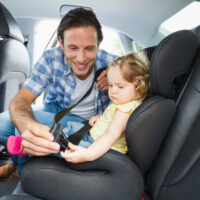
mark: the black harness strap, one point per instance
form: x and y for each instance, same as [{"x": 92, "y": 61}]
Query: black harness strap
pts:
[
  {"x": 76, "y": 137},
  {"x": 62, "y": 113}
]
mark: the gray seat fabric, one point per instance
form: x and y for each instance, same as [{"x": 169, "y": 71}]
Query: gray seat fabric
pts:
[{"x": 14, "y": 58}]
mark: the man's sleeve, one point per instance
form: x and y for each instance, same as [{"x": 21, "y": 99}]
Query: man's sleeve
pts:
[
  {"x": 104, "y": 59},
  {"x": 40, "y": 77}
]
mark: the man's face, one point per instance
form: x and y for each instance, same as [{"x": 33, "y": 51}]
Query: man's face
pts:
[{"x": 80, "y": 47}]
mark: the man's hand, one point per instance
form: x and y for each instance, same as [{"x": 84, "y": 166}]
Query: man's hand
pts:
[
  {"x": 102, "y": 81},
  {"x": 38, "y": 141},
  {"x": 36, "y": 138}
]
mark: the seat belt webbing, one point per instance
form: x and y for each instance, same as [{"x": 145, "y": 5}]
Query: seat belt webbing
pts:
[{"x": 76, "y": 137}]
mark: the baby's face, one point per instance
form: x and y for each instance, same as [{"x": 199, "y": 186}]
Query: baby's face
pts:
[{"x": 120, "y": 91}]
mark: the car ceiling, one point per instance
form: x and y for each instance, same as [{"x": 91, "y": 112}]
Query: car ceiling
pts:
[{"x": 139, "y": 19}]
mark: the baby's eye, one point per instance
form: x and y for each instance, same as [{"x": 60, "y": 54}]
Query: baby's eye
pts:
[
  {"x": 110, "y": 85},
  {"x": 121, "y": 87}
]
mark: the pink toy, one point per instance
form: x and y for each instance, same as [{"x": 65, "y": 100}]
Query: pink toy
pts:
[{"x": 14, "y": 146}]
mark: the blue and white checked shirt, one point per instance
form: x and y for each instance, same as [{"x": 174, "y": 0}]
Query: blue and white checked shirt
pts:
[{"x": 52, "y": 70}]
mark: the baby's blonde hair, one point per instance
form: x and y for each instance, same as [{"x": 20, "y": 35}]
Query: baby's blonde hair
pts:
[{"x": 134, "y": 68}]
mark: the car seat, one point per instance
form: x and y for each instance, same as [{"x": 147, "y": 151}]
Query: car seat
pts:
[
  {"x": 14, "y": 58},
  {"x": 161, "y": 151},
  {"x": 175, "y": 174},
  {"x": 162, "y": 138}
]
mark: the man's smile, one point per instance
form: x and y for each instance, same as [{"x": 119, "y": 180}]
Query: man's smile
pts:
[{"x": 80, "y": 67}]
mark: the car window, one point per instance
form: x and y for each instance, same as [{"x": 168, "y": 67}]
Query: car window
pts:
[
  {"x": 187, "y": 18},
  {"x": 112, "y": 42}
]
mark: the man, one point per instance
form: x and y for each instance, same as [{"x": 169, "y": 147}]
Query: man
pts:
[{"x": 68, "y": 70}]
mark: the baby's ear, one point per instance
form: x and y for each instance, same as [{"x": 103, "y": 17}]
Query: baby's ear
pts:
[{"x": 136, "y": 83}]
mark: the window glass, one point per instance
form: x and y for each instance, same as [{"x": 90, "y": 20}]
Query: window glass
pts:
[
  {"x": 187, "y": 18},
  {"x": 111, "y": 41},
  {"x": 136, "y": 46}
]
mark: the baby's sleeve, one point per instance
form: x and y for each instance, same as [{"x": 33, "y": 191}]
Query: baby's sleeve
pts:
[{"x": 129, "y": 107}]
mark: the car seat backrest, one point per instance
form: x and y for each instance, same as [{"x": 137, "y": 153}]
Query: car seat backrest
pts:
[
  {"x": 149, "y": 123},
  {"x": 176, "y": 174},
  {"x": 14, "y": 58}
]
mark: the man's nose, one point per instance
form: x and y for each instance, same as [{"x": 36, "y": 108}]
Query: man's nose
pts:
[{"x": 80, "y": 57}]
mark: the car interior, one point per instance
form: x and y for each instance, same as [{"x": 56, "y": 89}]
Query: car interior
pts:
[{"x": 162, "y": 134}]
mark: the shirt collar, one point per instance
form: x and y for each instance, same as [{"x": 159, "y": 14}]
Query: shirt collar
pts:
[{"x": 68, "y": 69}]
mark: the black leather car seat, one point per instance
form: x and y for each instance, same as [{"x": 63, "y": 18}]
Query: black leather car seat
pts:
[
  {"x": 175, "y": 174},
  {"x": 14, "y": 58}
]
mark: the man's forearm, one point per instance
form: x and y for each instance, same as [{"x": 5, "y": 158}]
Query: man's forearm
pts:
[{"x": 21, "y": 113}]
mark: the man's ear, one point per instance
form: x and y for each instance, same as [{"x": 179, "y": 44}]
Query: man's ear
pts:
[
  {"x": 98, "y": 45},
  {"x": 61, "y": 43}
]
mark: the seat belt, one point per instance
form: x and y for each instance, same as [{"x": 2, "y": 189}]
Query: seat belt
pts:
[{"x": 56, "y": 128}]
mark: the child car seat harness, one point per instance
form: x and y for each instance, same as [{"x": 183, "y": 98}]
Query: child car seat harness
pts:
[{"x": 75, "y": 138}]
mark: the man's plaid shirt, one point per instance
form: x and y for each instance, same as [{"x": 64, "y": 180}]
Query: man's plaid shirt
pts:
[{"x": 52, "y": 70}]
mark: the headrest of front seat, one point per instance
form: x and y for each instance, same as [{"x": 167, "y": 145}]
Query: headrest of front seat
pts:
[
  {"x": 196, "y": 30},
  {"x": 172, "y": 58},
  {"x": 8, "y": 25}
]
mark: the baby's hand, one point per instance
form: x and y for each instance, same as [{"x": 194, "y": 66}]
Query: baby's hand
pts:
[
  {"x": 75, "y": 154},
  {"x": 93, "y": 119}
]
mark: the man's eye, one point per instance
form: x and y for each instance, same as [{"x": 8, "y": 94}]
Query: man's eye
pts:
[
  {"x": 90, "y": 48},
  {"x": 110, "y": 85},
  {"x": 73, "y": 48}
]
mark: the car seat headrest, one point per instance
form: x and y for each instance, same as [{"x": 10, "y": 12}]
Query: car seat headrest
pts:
[
  {"x": 171, "y": 59},
  {"x": 9, "y": 27},
  {"x": 196, "y": 30}
]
